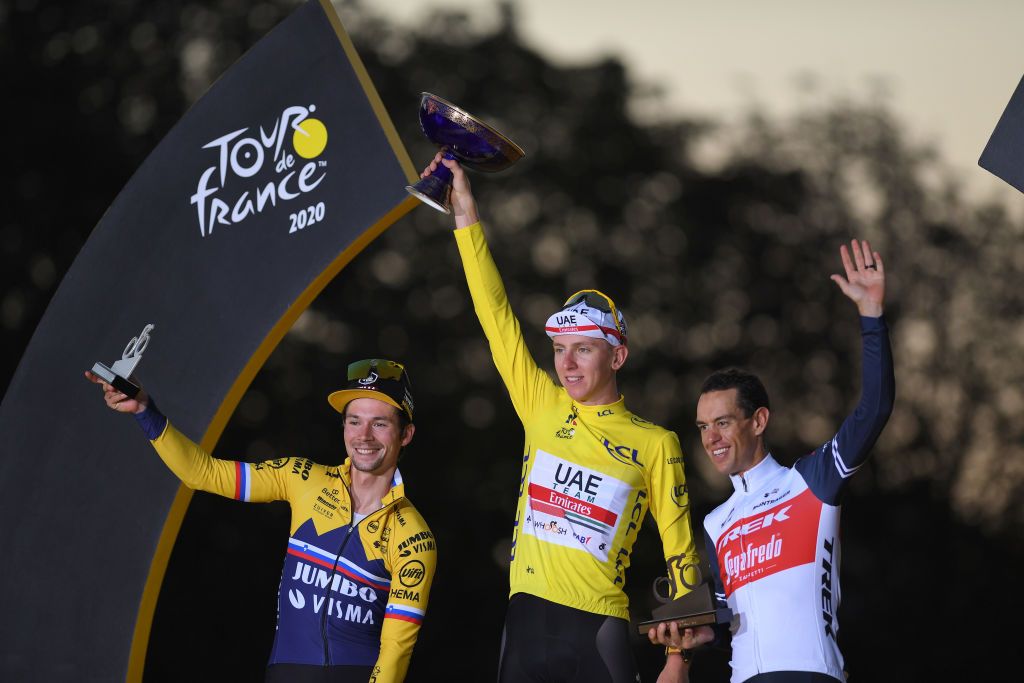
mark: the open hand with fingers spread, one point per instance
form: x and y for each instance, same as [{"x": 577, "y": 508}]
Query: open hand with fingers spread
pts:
[{"x": 864, "y": 283}]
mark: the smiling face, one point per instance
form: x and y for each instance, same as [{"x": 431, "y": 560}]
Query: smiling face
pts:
[
  {"x": 733, "y": 441},
  {"x": 374, "y": 435},
  {"x": 586, "y": 367}
]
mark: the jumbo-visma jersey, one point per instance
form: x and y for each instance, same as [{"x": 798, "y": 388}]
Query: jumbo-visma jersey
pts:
[
  {"x": 590, "y": 473},
  {"x": 366, "y": 585}
]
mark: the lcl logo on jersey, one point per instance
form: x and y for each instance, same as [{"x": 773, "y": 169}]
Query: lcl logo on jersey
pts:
[
  {"x": 679, "y": 495},
  {"x": 624, "y": 454}
]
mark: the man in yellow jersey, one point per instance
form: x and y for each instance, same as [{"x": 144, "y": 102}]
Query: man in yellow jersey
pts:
[
  {"x": 360, "y": 558},
  {"x": 591, "y": 470}
]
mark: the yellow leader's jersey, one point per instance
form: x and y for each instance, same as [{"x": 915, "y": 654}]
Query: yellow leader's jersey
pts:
[
  {"x": 350, "y": 593},
  {"x": 590, "y": 473}
]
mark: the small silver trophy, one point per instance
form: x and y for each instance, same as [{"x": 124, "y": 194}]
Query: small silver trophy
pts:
[{"x": 118, "y": 375}]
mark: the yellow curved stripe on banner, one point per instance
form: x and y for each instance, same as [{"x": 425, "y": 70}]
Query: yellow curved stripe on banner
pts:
[{"x": 176, "y": 514}]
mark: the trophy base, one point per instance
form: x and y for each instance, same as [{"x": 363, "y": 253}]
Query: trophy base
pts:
[
  {"x": 126, "y": 387},
  {"x": 433, "y": 191},
  {"x": 719, "y": 616}
]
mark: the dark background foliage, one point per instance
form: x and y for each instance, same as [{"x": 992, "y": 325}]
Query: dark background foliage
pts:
[{"x": 713, "y": 264}]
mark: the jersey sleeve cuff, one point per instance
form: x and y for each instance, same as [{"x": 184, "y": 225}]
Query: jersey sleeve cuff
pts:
[
  {"x": 152, "y": 421},
  {"x": 872, "y": 324}
]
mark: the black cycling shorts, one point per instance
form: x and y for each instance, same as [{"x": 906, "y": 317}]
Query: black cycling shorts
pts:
[
  {"x": 545, "y": 641},
  {"x": 311, "y": 673}
]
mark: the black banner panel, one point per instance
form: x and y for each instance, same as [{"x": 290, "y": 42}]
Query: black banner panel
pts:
[
  {"x": 1003, "y": 155},
  {"x": 265, "y": 189}
]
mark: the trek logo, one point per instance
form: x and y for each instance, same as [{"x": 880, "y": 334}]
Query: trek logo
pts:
[
  {"x": 241, "y": 155},
  {"x": 771, "y": 541},
  {"x": 762, "y": 522},
  {"x": 826, "y": 589},
  {"x": 624, "y": 454}
]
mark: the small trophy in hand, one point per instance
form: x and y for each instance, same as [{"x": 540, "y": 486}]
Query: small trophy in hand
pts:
[
  {"x": 118, "y": 375},
  {"x": 695, "y": 608}
]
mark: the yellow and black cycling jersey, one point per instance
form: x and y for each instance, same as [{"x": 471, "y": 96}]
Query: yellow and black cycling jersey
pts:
[
  {"x": 350, "y": 593},
  {"x": 590, "y": 473}
]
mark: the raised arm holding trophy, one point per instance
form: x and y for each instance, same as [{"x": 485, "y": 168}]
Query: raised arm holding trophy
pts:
[{"x": 591, "y": 471}]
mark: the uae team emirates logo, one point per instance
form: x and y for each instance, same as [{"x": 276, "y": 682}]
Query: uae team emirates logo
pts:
[{"x": 574, "y": 506}]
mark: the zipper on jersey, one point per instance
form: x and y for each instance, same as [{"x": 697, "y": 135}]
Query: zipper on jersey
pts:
[
  {"x": 337, "y": 559},
  {"x": 326, "y": 605}
]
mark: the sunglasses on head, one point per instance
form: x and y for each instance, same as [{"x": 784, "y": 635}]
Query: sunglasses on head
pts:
[
  {"x": 384, "y": 369},
  {"x": 597, "y": 300}
]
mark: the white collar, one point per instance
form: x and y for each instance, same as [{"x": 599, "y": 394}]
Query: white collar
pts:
[{"x": 757, "y": 476}]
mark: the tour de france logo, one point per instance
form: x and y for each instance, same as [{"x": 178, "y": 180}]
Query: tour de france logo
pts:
[{"x": 254, "y": 168}]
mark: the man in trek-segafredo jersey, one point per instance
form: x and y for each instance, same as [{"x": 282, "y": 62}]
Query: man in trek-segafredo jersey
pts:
[
  {"x": 774, "y": 545},
  {"x": 591, "y": 470},
  {"x": 360, "y": 558}
]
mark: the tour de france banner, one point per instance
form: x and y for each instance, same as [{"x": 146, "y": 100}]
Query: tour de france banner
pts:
[{"x": 274, "y": 180}]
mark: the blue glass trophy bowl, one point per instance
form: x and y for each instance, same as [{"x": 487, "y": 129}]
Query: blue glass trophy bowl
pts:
[{"x": 463, "y": 137}]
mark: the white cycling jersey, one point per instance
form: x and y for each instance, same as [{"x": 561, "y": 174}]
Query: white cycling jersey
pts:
[{"x": 774, "y": 545}]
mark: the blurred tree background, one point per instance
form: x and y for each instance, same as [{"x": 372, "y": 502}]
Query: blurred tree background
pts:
[{"x": 715, "y": 262}]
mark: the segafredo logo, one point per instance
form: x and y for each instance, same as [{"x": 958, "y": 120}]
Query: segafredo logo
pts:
[{"x": 254, "y": 170}]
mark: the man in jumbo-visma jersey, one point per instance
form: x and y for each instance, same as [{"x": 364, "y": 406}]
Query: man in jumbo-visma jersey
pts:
[{"x": 360, "y": 558}]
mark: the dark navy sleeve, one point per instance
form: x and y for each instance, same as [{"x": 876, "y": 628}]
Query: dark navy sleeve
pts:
[
  {"x": 151, "y": 420},
  {"x": 830, "y": 466}
]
